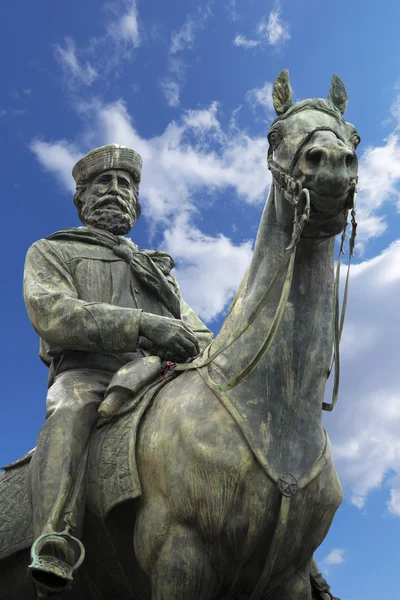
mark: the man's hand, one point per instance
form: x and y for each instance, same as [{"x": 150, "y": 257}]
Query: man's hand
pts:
[{"x": 171, "y": 336}]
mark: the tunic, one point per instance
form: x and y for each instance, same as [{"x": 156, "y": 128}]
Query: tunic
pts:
[{"x": 85, "y": 301}]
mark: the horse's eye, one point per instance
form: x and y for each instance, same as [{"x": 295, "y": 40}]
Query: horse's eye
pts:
[
  {"x": 274, "y": 137},
  {"x": 355, "y": 140}
]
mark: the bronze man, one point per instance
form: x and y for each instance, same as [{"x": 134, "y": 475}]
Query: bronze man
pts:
[{"x": 97, "y": 303}]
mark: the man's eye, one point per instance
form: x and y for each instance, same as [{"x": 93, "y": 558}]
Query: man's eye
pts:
[{"x": 124, "y": 183}]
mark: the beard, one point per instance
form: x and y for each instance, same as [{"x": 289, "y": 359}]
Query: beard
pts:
[{"x": 109, "y": 217}]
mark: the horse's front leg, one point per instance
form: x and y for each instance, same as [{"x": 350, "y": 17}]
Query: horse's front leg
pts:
[
  {"x": 173, "y": 555},
  {"x": 183, "y": 569}
]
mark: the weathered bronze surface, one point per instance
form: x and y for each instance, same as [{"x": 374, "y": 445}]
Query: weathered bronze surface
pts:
[{"x": 227, "y": 490}]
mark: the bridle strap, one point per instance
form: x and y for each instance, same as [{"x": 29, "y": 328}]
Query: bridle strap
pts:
[
  {"x": 245, "y": 324},
  {"x": 338, "y": 327}
]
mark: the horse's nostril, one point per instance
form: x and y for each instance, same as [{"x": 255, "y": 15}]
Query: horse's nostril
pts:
[
  {"x": 315, "y": 156},
  {"x": 351, "y": 160}
]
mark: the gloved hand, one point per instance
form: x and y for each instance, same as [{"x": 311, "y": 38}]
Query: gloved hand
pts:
[{"x": 173, "y": 339}]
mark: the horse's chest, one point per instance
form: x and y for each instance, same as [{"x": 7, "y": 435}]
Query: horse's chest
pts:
[{"x": 255, "y": 518}]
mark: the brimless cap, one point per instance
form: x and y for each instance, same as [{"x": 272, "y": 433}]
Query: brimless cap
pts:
[{"x": 111, "y": 156}]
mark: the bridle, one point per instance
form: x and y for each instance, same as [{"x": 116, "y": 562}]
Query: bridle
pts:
[
  {"x": 292, "y": 190},
  {"x": 296, "y": 195}
]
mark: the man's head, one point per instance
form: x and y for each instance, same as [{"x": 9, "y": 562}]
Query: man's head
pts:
[{"x": 107, "y": 188}]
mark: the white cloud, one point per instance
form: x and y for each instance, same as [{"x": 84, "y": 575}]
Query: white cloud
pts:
[
  {"x": 242, "y": 41},
  {"x": 57, "y": 158},
  {"x": 171, "y": 90},
  {"x": 68, "y": 59},
  {"x": 203, "y": 121},
  {"x": 173, "y": 83},
  {"x": 261, "y": 97},
  {"x": 379, "y": 176},
  {"x": 231, "y": 9},
  {"x": 365, "y": 424},
  {"x": 276, "y": 31},
  {"x": 193, "y": 158},
  {"x": 210, "y": 268},
  {"x": 334, "y": 558},
  {"x": 182, "y": 39},
  {"x": 186, "y": 35},
  {"x": 272, "y": 31},
  {"x": 104, "y": 54},
  {"x": 126, "y": 26},
  {"x": 393, "y": 504}
]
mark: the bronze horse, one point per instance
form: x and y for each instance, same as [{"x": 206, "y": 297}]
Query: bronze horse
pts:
[{"x": 238, "y": 484}]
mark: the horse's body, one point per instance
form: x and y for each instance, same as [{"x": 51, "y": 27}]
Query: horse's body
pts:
[
  {"x": 210, "y": 510},
  {"x": 208, "y": 504},
  {"x": 212, "y": 521}
]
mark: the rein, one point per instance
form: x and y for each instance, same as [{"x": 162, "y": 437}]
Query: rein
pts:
[
  {"x": 294, "y": 193},
  {"x": 287, "y": 263}
]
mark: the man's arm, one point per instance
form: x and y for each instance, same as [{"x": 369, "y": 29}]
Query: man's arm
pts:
[{"x": 62, "y": 319}]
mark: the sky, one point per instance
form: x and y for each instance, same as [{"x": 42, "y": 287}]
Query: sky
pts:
[{"x": 188, "y": 85}]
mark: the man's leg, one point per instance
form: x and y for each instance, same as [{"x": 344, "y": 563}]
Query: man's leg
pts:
[{"x": 57, "y": 470}]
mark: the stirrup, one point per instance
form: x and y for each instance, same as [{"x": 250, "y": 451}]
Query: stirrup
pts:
[{"x": 59, "y": 571}]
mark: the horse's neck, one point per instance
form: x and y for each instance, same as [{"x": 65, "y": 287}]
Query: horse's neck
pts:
[{"x": 296, "y": 365}]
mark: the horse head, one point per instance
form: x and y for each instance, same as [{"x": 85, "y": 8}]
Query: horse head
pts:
[{"x": 312, "y": 147}]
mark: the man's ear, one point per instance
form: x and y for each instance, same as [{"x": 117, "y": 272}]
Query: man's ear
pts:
[{"x": 78, "y": 201}]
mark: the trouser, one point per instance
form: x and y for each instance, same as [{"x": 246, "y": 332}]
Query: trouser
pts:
[{"x": 58, "y": 468}]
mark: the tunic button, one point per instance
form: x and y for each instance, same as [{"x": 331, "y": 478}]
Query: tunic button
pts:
[
  {"x": 108, "y": 344},
  {"x": 137, "y": 291}
]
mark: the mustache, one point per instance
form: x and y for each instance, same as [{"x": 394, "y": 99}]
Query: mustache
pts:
[{"x": 107, "y": 200}]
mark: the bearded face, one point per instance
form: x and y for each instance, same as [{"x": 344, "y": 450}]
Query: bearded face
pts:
[{"x": 110, "y": 201}]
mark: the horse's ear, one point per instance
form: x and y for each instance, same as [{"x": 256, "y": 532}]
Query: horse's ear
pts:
[
  {"x": 337, "y": 94},
  {"x": 282, "y": 93}
]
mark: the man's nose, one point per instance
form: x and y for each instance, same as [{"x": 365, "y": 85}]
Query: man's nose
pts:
[{"x": 113, "y": 187}]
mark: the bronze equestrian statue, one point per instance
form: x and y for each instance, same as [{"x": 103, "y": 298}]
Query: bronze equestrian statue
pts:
[{"x": 221, "y": 474}]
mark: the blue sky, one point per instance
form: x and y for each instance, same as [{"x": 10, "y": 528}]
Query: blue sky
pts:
[{"x": 188, "y": 85}]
